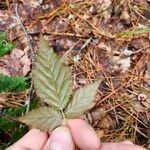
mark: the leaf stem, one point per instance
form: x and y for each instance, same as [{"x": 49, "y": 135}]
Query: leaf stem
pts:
[{"x": 63, "y": 114}]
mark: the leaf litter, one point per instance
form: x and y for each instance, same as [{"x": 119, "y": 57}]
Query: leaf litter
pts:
[{"x": 118, "y": 54}]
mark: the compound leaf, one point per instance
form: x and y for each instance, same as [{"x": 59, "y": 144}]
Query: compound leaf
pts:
[
  {"x": 82, "y": 100},
  {"x": 52, "y": 79},
  {"x": 44, "y": 118}
]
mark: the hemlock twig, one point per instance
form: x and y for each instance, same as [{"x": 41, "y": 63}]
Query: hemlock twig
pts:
[
  {"x": 30, "y": 92},
  {"x": 9, "y": 117}
]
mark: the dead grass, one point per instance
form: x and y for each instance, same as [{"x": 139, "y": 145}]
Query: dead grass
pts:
[{"x": 125, "y": 116}]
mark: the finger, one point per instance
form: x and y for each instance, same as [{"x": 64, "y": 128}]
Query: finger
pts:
[
  {"x": 34, "y": 139},
  {"x": 60, "y": 139},
  {"x": 83, "y": 135},
  {"x": 120, "y": 146},
  {"x": 127, "y": 142}
]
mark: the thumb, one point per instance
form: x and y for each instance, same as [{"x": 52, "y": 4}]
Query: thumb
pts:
[{"x": 60, "y": 139}]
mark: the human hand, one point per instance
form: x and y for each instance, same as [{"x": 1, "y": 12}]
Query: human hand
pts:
[{"x": 65, "y": 138}]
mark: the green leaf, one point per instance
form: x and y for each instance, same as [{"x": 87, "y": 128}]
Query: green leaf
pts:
[
  {"x": 82, "y": 100},
  {"x": 44, "y": 118},
  {"x": 52, "y": 79}
]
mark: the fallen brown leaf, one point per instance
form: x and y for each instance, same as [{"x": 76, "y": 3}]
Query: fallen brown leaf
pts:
[{"x": 16, "y": 64}]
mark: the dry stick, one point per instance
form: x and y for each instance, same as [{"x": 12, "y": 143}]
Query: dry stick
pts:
[
  {"x": 65, "y": 34},
  {"x": 85, "y": 44},
  {"x": 30, "y": 92},
  {"x": 25, "y": 31},
  {"x": 64, "y": 57},
  {"x": 9, "y": 117},
  {"x": 140, "y": 132},
  {"x": 60, "y": 34}
]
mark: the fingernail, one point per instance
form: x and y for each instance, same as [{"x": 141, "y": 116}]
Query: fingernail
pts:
[
  {"x": 127, "y": 142},
  {"x": 55, "y": 146},
  {"x": 61, "y": 139}
]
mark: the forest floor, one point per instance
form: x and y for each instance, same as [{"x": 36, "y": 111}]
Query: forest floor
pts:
[{"x": 99, "y": 39}]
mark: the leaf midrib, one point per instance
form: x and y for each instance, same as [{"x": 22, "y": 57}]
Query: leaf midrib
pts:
[{"x": 50, "y": 68}]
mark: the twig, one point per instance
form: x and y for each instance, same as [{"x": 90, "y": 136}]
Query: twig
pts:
[
  {"x": 64, "y": 57},
  {"x": 25, "y": 32},
  {"x": 140, "y": 132},
  {"x": 29, "y": 97},
  {"x": 65, "y": 34},
  {"x": 30, "y": 92},
  {"x": 77, "y": 57},
  {"x": 85, "y": 44},
  {"x": 9, "y": 117},
  {"x": 60, "y": 34}
]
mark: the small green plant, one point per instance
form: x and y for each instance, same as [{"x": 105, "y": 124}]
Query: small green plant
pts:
[
  {"x": 5, "y": 47},
  {"x": 52, "y": 82},
  {"x": 7, "y": 83},
  {"x": 12, "y": 84},
  {"x": 11, "y": 129}
]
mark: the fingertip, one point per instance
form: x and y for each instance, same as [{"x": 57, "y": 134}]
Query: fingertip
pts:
[
  {"x": 127, "y": 142},
  {"x": 83, "y": 135},
  {"x": 60, "y": 139},
  {"x": 120, "y": 146},
  {"x": 34, "y": 139}
]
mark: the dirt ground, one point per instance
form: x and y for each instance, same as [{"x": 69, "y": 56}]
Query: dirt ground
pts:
[{"x": 99, "y": 39}]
